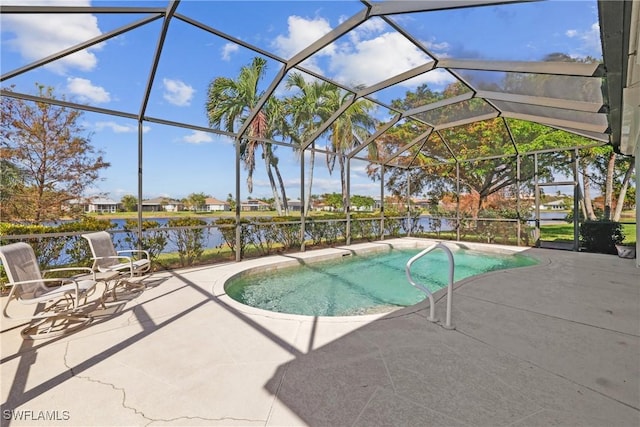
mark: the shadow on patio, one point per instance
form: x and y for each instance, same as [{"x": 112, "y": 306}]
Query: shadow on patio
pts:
[{"x": 554, "y": 343}]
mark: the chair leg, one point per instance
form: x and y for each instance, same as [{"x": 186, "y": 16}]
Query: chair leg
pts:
[
  {"x": 55, "y": 326},
  {"x": 121, "y": 283}
]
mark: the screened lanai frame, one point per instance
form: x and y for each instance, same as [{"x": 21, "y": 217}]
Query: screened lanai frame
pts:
[{"x": 594, "y": 117}]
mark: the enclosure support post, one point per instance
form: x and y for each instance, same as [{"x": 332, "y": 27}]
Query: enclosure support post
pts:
[
  {"x": 457, "y": 200},
  {"x": 408, "y": 203},
  {"x": 518, "y": 226},
  {"x": 382, "y": 202},
  {"x": 347, "y": 207},
  {"x": 637, "y": 210},
  {"x": 238, "y": 225},
  {"x": 140, "y": 133},
  {"x": 537, "y": 199},
  {"x": 576, "y": 203},
  {"x": 302, "y": 203}
]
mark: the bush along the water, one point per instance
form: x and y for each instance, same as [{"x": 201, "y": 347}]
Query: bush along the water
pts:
[{"x": 600, "y": 236}]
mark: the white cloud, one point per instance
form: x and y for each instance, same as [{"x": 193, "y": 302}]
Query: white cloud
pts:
[
  {"x": 198, "y": 137},
  {"x": 228, "y": 49},
  {"x": 301, "y": 33},
  {"x": 439, "y": 48},
  {"x": 38, "y": 36},
  {"x": 86, "y": 91},
  {"x": 368, "y": 28},
  {"x": 119, "y": 128},
  {"x": 589, "y": 41},
  {"x": 177, "y": 92},
  {"x": 366, "y": 56},
  {"x": 377, "y": 59}
]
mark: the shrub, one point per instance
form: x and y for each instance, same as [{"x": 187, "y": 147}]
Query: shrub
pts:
[
  {"x": 326, "y": 229},
  {"x": 154, "y": 238},
  {"x": 601, "y": 236},
  {"x": 189, "y": 238},
  {"x": 287, "y": 231},
  {"x": 227, "y": 228},
  {"x": 53, "y": 251}
]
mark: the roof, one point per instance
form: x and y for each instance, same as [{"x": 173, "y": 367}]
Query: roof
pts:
[
  {"x": 553, "y": 90},
  {"x": 94, "y": 201},
  {"x": 214, "y": 201},
  {"x": 160, "y": 201}
]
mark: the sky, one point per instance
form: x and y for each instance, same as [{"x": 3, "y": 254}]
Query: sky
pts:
[{"x": 179, "y": 161}]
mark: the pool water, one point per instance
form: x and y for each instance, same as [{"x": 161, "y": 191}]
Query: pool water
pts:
[{"x": 360, "y": 284}]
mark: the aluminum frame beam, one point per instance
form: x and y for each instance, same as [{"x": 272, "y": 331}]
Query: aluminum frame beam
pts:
[
  {"x": 615, "y": 28},
  {"x": 61, "y": 54},
  {"x": 399, "y": 7},
  {"x": 171, "y": 8},
  {"x": 576, "y": 69},
  {"x": 560, "y": 123},
  {"x": 589, "y": 107},
  {"x": 375, "y": 135}
]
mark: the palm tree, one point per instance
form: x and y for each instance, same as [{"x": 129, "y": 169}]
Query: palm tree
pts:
[
  {"x": 228, "y": 104},
  {"x": 308, "y": 110},
  {"x": 356, "y": 122}
]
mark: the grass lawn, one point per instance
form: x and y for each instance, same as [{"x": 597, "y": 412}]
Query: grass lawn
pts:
[{"x": 561, "y": 232}]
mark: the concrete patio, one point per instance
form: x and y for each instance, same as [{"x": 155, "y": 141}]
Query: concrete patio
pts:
[{"x": 553, "y": 344}]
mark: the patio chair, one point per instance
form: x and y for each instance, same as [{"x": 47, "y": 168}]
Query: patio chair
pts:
[
  {"x": 60, "y": 302},
  {"x": 107, "y": 260}
]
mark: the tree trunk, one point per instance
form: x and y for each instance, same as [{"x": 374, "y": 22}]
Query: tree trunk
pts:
[
  {"x": 285, "y": 204},
  {"x": 343, "y": 182},
  {"x": 312, "y": 160},
  {"x": 623, "y": 192},
  {"x": 272, "y": 182},
  {"x": 587, "y": 194},
  {"x": 608, "y": 192},
  {"x": 583, "y": 208}
]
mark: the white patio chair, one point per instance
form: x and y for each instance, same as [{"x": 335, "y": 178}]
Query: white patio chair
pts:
[
  {"x": 59, "y": 301},
  {"x": 107, "y": 260}
]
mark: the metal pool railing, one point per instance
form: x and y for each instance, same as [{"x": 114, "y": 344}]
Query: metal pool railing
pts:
[{"x": 424, "y": 289}]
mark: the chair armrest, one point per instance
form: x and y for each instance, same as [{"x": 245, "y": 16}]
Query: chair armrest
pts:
[
  {"x": 88, "y": 270},
  {"x": 135, "y": 251},
  {"x": 45, "y": 289},
  {"x": 118, "y": 257},
  {"x": 61, "y": 280}
]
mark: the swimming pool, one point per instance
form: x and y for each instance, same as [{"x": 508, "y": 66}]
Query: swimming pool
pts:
[{"x": 360, "y": 284}]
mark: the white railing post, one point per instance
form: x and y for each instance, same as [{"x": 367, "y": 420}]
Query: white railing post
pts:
[{"x": 424, "y": 289}]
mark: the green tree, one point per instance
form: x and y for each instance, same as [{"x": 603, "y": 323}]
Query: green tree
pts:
[
  {"x": 47, "y": 144},
  {"x": 229, "y": 103},
  {"x": 308, "y": 109},
  {"x": 195, "y": 201},
  {"x": 355, "y": 123},
  {"x": 232, "y": 202},
  {"x": 334, "y": 200},
  {"x": 362, "y": 201},
  {"x": 488, "y": 139},
  {"x": 129, "y": 203},
  {"x": 11, "y": 180}
]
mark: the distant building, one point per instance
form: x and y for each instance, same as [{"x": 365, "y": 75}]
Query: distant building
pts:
[
  {"x": 420, "y": 203},
  {"x": 295, "y": 205},
  {"x": 95, "y": 205},
  {"x": 254, "y": 205},
  {"x": 211, "y": 204},
  {"x": 556, "y": 205},
  {"x": 161, "y": 204}
]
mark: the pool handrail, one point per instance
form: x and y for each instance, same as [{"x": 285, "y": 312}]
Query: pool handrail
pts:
[{"x": 424, "y": 289}]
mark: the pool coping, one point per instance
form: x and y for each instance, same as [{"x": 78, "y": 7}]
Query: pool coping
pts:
[{"x": 275, "y": 262}]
